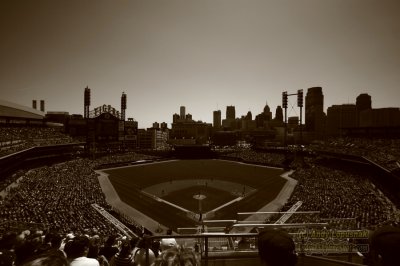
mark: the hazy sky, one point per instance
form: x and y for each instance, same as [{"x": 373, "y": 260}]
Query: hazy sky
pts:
[{"x": 203, "y": 54}]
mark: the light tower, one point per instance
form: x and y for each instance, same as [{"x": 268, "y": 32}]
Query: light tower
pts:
[
  {"x": 300, "y": 104},
  {"x": 86, "y": 102},
  {"x": 284, "y": 106},
  {"x": 123, "y": 106}
]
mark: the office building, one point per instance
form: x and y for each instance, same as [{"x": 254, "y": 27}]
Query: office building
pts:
[
  {"x": 230, "y": 112},
  {"x": 314, "y": 112},
  {"x": 380, "y": 117},
  {"x": 217, "y": 119},
  {"x": 182, "y": 112},
  {"x": 340, "y": 117},
  {"x": 363, "y": 102}
]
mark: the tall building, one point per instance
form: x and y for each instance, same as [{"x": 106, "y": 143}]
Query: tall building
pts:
[
  {"x": 230, "y": 122},
  {"x": 263, "y": 119},
  {"x": 278, "y": 114},
  {"x": 363, "y": 102},
  {"x": 217, "y": 119},
  {"x": 249, "y": 116},
  {"x": 175, "y": 118},
  {"x": 267, "y": 113},
  {"x": 42, "y": 105},
  {"x": 315, "y": 116},
  {"x": 164, "y": 126},
  {"x": 156, "y": 125},
  {"x": 230, "y": 112},
  {"x": 183, "y": 112},
  {"x": 340, "y": 117}
]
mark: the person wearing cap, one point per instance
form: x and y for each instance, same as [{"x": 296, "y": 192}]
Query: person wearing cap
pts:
[
  {"x": 167, "y": 243},
  {"x": 276, "y": 248},
  {"x": 385, "y": 246}
]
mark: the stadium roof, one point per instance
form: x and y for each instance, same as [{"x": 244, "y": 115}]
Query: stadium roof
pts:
[{"x": 9, "y": 109}]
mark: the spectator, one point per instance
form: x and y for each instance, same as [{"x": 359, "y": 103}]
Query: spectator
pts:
[
  {"x": 124, "y": 257},
  {"x": 385, "y": 246},
  {"x": 276, "y": 248},
  {"x": 77, "y": 252},
  {"x": 178, "y": 257},
  {"x": 109, "y": 249},
  {"x": 243, "y": 243},
  {"x": 140, "y": 253},
  {"x": 47, "y": 259},
  {"x": 167, "y": 243}
]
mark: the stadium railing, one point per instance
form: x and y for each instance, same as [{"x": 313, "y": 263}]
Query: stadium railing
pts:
[{"x": 221, "y": 249}]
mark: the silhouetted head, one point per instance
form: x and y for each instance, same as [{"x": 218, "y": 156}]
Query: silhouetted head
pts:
[
  {"x": 385, "y": 246},
  {"x": 276, "y": 248}
]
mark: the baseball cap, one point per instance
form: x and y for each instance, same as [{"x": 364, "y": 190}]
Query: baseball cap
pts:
[{"x": 167, "y": 243}]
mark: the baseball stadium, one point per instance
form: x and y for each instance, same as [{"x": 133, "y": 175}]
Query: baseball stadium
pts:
[{"x": 68, "y": 177}]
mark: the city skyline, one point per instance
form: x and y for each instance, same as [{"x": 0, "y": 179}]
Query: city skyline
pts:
[{"x": 202, "y": 55}]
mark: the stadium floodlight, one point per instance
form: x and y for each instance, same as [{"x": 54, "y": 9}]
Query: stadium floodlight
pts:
[
  {"x": 284, "y": 99},
  {"x": 300, "y": 98}
]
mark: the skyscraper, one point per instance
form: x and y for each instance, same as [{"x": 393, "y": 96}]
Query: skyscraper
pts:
[
  {"x": 183, "y": 112},
  {"x": 363, "y": 102},
  {"x": 217, "y": 119},
  {"x": 340, "y": 117},
  {"x": 230, "y": 112},
  {"x": 315, "y": 116},
  {"x": 175, "y": 118},
  {"x": 279, "y": 114}
]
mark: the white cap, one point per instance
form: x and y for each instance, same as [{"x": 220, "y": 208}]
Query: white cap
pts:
[{"x": 167, "y": 243}]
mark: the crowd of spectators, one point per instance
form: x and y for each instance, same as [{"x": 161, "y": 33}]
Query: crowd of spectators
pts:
[
  {"x": 385, "y": 152},
  {"x": 345, "y": 201},
  {"x": 14, "y": 139},
  {"x": 121, "y": 158},
  {"x": 59, "y": 196},
  {"x": 252, "y": 156},
  {"x": 35, "y": 247}
]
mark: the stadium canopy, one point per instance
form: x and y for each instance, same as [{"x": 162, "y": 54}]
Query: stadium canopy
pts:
[{"x": 13, "y": 110}]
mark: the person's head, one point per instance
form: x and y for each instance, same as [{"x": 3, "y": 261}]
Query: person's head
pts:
[
  {"x": 110, "y": 241},
  {"x": 126, "y": 249},
  {"x": 385, "y": 246},
  {"x": 177, "y": 257},
  {"x": 276, "y": 247},
  {"x": 140, "y": 257},
  {"x": 134, "y": 241},
  {"x": 78, "y": 247},
  {"x": 56, "y": 241},
  {"x": 167, "y": 243},
  {"x": 47, "y": 259},
  {"x": 8, "y": 240}
]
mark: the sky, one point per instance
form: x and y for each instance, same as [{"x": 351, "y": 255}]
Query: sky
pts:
[{"x": 201, "y": 54}]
